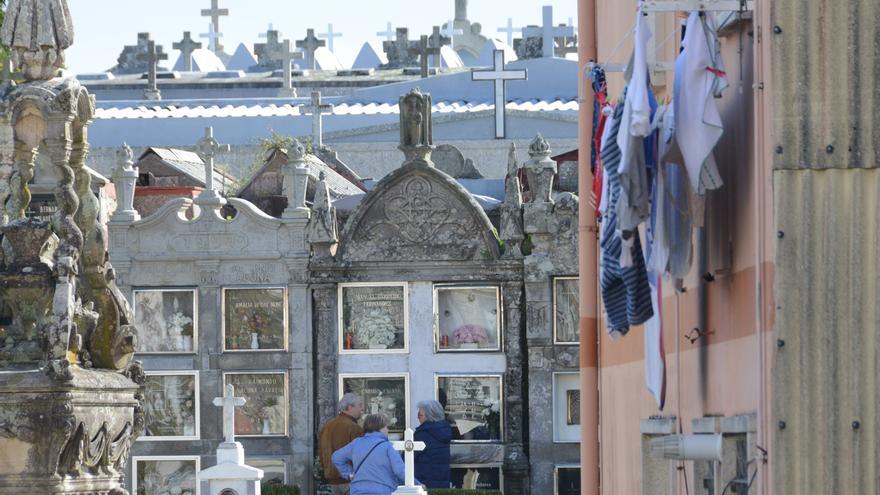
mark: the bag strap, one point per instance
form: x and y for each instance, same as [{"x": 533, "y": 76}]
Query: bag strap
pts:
[{"x": 366, "y": 456}]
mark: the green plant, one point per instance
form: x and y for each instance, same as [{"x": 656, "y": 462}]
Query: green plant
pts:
[
  {"x": 279, "y": 489},
  {"x": 456, "y": 491}
]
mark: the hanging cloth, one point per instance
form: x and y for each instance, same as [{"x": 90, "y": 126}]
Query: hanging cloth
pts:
[
  {"x": 600, "y": 117},
  {"x": 699, "y": 79}
]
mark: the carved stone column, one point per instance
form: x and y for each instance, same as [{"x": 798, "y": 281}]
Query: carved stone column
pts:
[
  {"x": 324, "y": 302},
  {"x": 516, "y": 462}
]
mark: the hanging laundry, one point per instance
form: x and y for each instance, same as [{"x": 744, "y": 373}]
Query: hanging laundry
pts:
[
  {"x": 699, "y": 79},
  {"x": 600, "y": 117},
  {"x": 655, "y": 354},
  {"x": 625, "y": 290}
]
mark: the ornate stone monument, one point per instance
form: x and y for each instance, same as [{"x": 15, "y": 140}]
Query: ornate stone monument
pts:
[
  {"x": 70, "y": 400},
  {"x": 231, "y": 474},
  {"x": 415, "y": 128}
]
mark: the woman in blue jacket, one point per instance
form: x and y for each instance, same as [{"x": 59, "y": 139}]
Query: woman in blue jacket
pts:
[
  {"x": 432, "y": 464},
  {"x": 370, "y": 462}
]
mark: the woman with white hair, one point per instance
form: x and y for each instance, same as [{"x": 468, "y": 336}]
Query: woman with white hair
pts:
[{"x": 432, "y": 463}]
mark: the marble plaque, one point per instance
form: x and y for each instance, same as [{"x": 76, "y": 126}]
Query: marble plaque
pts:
[
  {"x": 274, "y": 470},
  {"x": 468, "y": 318},
  {"x": 166, "y": 320},
  {"x": 373, "y": 318},
  {"x": 473, "y": 405},
  {"x": 388, "y": 395},
  {"x": 475, "y": 478},
  {"x": 171, "y": 406},
  {"x": 266, "y": 410},
  {"x": 255, "y": 319},
  {"x": 566, "y": 314},
  {"x": 166, "y": 475},
  {"x": 566, "y": 407},
  {"x": 568, "y": 480}
]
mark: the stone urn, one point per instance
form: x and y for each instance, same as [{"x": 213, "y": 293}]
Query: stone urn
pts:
[
  {"x": 27, "y": 239},
  {"x": 540, "y": 171}
]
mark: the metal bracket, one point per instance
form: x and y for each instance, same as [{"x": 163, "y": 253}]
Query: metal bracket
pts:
[{"x": 691, "y": 5}]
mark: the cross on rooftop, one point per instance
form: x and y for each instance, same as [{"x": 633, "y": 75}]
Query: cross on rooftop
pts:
[
  {"x": 154, "y": 55},
  {"x": 398, "y": 50},
  {"x": 229, "y": 402},
  {"x": 317, "y": 110},
  {"x": 422, "y": 49},
  {"x": 437, "y": 40},
  {"x": 269, "y": 30},
  {"x": 409, "y": 448},
  {"x": 548, "y": 33},
  {"x": 500, "y": 76},
  {"x": 186, "y": 47},
  {"x": 265, "y": 51},
  {"x": 215, "y": 12},
  {"x": 330, "y": 34},
  {"x": 510, "y": 30},
  {"x": 450, "y": 32},
  {"x": 309, "y": 44},
  {"x": 286, "y": 54},
  {"x": 388, "y": 33},
  {"x": 208, "y": 147},
  {"x": 213, "y": 38}
]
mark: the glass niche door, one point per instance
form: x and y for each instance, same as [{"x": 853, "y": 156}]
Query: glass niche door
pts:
[{"x": 467, "y": 318}]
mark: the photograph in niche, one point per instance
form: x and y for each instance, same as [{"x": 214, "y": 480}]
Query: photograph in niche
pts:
[
  {"x": 381, "y": 395},
  {"x": 473, "y": 406},
  {"x": 573, "y": 401},
  {"x": 468, "y": 318},
  {"x": 171, "y": 406},
  {"x": 166, "y": 476},
  {"x": 373, "y": 317},
  {"x": 475, "y": 478},
  {"x": 568, "y": 481},
  {"x": 165, "y": 320},
  {"x": 254, "y": 319},
  {"x": 565, "y": 307},
  {"x": 265, "y": 412}
]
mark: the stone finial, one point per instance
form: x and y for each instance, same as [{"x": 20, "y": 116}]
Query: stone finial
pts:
[
  {"x": 37, "y": 33},
  {"x": 296, "y": 151},
  {"x": 296, "y": 181},
  {"x": 321, "y": 231},
  {"x": 124, "y": 179},
  {"x": 416, "y": 132},
  {"x": 511, "y": 228},
  {"x": 540, "y": 171}
]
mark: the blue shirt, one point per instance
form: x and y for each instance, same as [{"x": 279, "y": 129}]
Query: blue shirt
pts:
[{"x": 380, "y": 472}]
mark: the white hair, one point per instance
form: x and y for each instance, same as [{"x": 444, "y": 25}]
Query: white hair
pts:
[
  {"x": 348, "y": 400},
  {"x": 433, "y": 410}
]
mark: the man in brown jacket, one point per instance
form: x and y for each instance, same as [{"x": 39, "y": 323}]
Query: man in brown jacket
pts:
[{"x": 337, "y": 433}]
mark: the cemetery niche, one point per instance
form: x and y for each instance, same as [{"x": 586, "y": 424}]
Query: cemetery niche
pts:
[
  {"x": 382, "y": 394},
  {"x": 255, "y": 319},
  {"x": 172, "y": 405},
  {"x": 166, "y": 320},
  {"x": 473, "y": 406},
  {"x": 476, "y": 477},
  {"x": 565, "y": 310},
  {"x": 468, "y": 318},
  {"x": 265, "y": 411},
  {"x": 373, "y": 318},
  {"x": 170, "y": 474}
]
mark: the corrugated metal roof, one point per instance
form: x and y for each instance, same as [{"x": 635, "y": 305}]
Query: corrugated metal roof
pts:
[
  {"x": 828, "y": 297},
  {"x": 289, "y": 110},
  {"x": 826, "y": 63}
]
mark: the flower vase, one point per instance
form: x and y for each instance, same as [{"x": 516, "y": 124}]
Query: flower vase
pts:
[
  {"x": 187, "y": 343},
  {"x": 266, "y": 429},
  {"x": 469, "y": 345},
  {"x": 255, "y": 340}
]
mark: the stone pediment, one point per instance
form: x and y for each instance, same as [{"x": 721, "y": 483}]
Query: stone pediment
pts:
[{"x": 418, "y": 213}]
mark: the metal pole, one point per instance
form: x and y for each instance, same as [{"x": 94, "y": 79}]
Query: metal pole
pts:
[{"x": 587, "y": 260}]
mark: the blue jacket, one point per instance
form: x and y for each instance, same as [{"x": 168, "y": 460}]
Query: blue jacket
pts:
[
  {"x": 382, "y": 470},
  {"x": 432, "y": 464}
]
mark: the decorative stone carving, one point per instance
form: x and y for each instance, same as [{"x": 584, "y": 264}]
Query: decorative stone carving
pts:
[
  {"x": 321, "y": 231},
  {"x": 511, "y": 231},
  {"x": 450, "y": 159},
  {"x": 540, "y": 171},
  {"x": 296, "y": 177},
  {"x": 37, "y": 33},
  {"x": 124, "y": 179},
  {"x": 416, "y": 132}
]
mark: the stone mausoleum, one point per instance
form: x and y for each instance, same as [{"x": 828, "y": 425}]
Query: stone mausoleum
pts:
[{"x": 426, "y": 286}]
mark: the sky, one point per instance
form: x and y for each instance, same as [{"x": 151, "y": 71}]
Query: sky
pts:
[{"x": 103, "y": 27}]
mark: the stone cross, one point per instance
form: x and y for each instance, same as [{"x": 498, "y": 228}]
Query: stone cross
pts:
[
  {"x": 437, "y": 41},
  {"x": 286, "y": 54},
  {"x": 229, "y": 402},
  {"x": 265, "y": 51},
  {"x": 309, "y": 44},
  {"x": 330, "y": 34},
  {"x": 269, "y": 30},
  {"x": 409, "y": 448},
  {"x": 548, "y": 33},
  {"x": 423, "y": 50},
  {"x": 398, "y": 50},
  {"x": 186, "y": 47},
  {"x": 208, "y": 147},
  {"x": 500, "y": 77},
  {"x": 154, "y": 55},
  {"x": 510, "y": 30},
  {"x": 450, "y": 32},
  {"x": 213, "y": 37},
  {"x": 215, "y": 12},
  {"x": 317, "y": 110},
  {"x": 388, "y": 33}
]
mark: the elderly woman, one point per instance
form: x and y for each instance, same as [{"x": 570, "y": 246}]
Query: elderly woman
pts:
[
  {"x": 432, "y": 464},
  {"x": 370, "y": 462}
]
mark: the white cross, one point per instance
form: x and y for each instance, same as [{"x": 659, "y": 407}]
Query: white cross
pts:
[
  {"x": 548, "y": 32},
  {"x": 409, "y": 448},
  {"x": 317, "y": 110},
  {"x": 510, "y": 30},
  {"x": 213, "y": 37},
  {"x": 330, "y": 35},
  {"x": 450, "y": 32},
  {"x": 266, "y": 34},
  {"x": 214, "y": 13},
  {"x": 500, "y": 76},
  {"x": 389, "y": 34},
  {"x": 229, "y": 402}
]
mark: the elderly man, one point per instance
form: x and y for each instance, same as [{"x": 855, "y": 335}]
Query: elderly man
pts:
[{"x": 337, "y": 433}]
